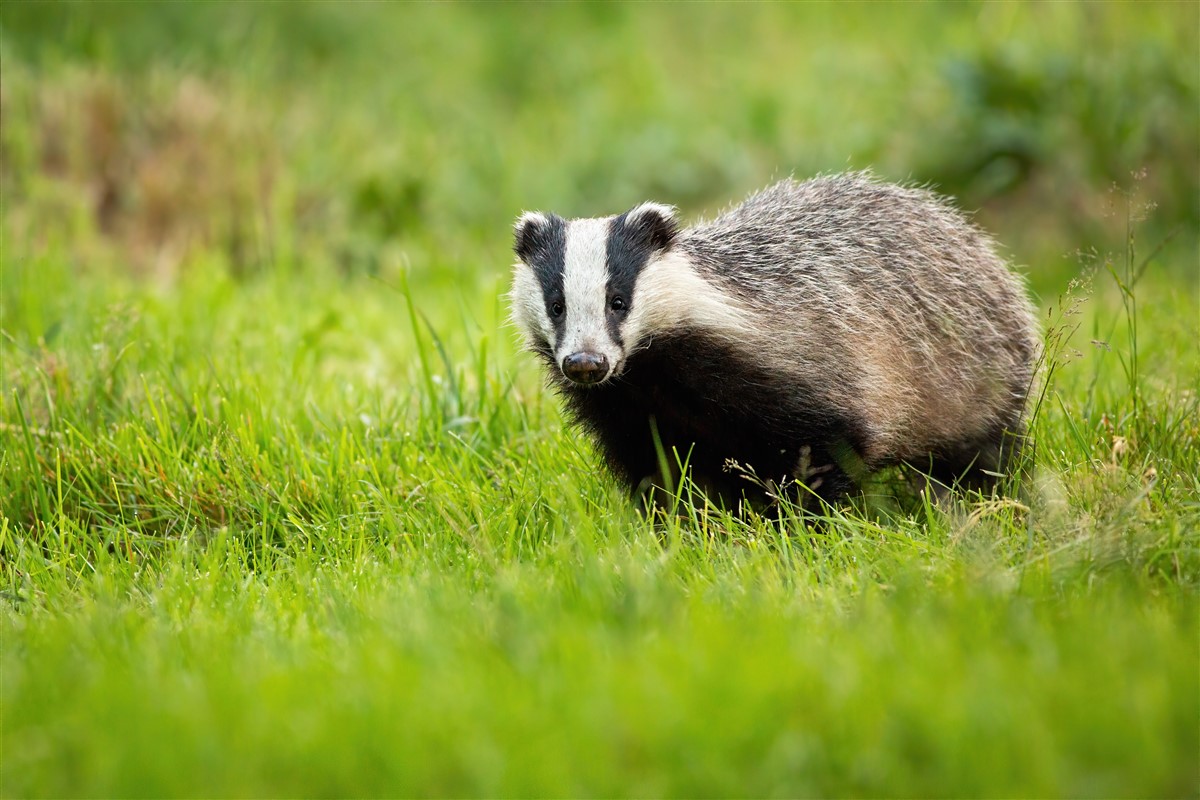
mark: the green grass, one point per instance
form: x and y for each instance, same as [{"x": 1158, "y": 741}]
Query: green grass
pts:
[{"x": 284, "y": 512}]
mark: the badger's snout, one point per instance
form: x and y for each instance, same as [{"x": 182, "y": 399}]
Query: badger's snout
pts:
[{"x": 584, "y": 367}]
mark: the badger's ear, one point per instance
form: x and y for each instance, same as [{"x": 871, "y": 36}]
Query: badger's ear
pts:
[
  {"x": 653, "y": 223},
  {"x": 529, "y": 233}
]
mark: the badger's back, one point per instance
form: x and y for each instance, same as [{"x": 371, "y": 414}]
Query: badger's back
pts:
[{"x": 883, "y": 296}]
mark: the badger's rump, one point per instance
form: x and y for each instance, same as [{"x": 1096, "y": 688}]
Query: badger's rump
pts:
[{"x": 885, "y": 298}]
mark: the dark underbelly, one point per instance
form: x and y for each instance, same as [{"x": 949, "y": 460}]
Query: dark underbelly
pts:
[{"x": 737, "y": 429}]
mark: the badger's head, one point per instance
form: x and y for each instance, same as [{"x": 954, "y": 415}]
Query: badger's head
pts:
[{"x": 579, "y": 291}]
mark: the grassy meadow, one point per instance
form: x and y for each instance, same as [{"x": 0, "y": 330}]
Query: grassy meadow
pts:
[{"x": 284, "y": 511}]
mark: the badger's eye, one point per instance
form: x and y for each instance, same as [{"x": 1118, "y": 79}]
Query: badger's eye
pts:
[
  {"x": 556, "y": 309},
  {"x": 617, "y": 304}
]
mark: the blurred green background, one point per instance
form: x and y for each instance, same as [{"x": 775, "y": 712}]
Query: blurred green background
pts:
[
  {"x": 358, "y": 136},
  {"x": 283, "y": 510}
]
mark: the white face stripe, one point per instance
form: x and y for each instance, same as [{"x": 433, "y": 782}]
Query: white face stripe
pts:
[
  {"x": 670, "y": 294},
  {"x": 528, "y": 307},
  {"x": 585, "y": 289}
]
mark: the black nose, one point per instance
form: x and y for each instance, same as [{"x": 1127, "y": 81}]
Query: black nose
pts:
[{"x": 585, "y": 367}]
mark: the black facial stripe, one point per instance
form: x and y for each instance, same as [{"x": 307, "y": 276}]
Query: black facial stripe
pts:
[
  {"x": 544, "y": 249},
  {"x": 629, "y": 248}
]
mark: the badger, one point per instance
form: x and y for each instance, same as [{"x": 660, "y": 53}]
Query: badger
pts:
[{"x": 814, "y": 334}]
